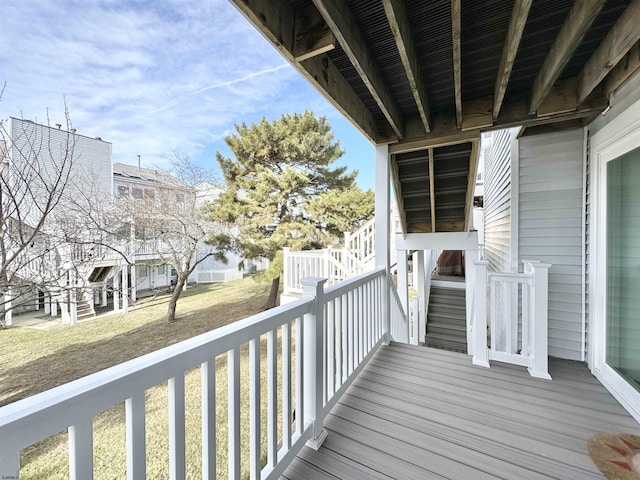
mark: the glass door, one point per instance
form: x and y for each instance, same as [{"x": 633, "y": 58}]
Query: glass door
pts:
[{"x": 622, "y": 328}]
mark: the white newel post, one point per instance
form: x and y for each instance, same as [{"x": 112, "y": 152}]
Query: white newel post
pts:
[
  {"x": 403, "y": 280},
  {"x": 538, "y": 315},
  {"x": 10, "y": 465},
  {"x": 287, "y": 274},
  {"x": 313, "y": 365},
  {"x": 479, "y": 327},
  {"x": 382, "y": 224},
  {"x": 470, "y": 257}
]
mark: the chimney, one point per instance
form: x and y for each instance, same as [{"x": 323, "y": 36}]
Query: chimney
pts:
[{"x": 59, "y": 125}]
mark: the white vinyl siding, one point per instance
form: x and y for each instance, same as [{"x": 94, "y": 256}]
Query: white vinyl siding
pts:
[
  {"x": 498, "y": 216},
  {"x": 550, "y": 229}
]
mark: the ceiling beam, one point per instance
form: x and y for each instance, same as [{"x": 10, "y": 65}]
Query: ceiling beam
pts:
[
  {"x": 471, "y": 182},
  {"x": 456, "y": 31},
  {"x": 623, "y": 70},
  {"x": 518, "y": 20},
  {"x": 578, "y": 21},
  {"x": 432, "y": 190},
  {"x": 622, "y": 36},
  {"x": 399, "y": 23},
  {"x": 338, "y": 16},
  {"x": 514, "y": 113},
  {"x": 312, "y": 36},
  {"x": 276, "y": 21}
]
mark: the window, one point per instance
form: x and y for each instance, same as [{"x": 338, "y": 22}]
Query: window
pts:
[
  {"x": 180, "y": 197},
  {"x": 136, "y": 192},
  {"x": 148, "y": 193},
  {"x": 122, "y": 191},
  {"x": 142, "y": 271},
  {"x": 162, "y": 269}
]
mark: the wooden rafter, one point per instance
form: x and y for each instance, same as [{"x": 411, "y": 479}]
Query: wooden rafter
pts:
[
  {"x": 578, "y": 21},
  {"x": 622, "y": 36},
  {"x": 432, "y": 190},
  {"x": 471, "y": 182},
  {"x": 313, "y": 36},
  {"x": 276, "y": 20},
  {"x": 456, "y": 31},
  {"x": 399, "y": 23},
  {"x": 517, "y": 22},
  {"x": 338, "y": 16},
  {"x": 623, "y": 70}
]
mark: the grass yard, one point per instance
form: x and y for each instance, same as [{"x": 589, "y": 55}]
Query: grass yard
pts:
[{"x": 36, "y": 360}]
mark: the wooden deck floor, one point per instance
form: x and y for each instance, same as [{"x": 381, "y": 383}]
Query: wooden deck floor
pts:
[{"x": 420, "y": 413}]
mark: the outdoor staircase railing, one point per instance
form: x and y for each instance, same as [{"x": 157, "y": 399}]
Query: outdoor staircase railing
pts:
[{"x": 325, "y": 338}]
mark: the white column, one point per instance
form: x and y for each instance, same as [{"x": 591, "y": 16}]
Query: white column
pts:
[
  {"x": 420, "y": 285},
  {"x": 539, "y": 313},
  {"x": 116, "y": 291},
  {"x": 104, "y": 294},
  {"x": 8, "y": 304},
  {"x": 73, "y": 299},
  {"x": 382, "y": 225},
  {"x": 134, "y": 287},
  {"x": 54, "y": 306},
  {"x": 403, "y": 280},
  {"x": 479, "y": 327},
  {"x": 47, "y": 304},
  {"x": 125, "y": 289},
  {"x": 470, "y": 257},
  {"x": 313, "y": 362}
]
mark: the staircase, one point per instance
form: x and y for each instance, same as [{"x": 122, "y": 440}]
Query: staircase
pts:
[{"x": 446, "y": 319}]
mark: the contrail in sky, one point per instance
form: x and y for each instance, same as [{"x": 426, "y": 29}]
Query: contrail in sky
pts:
[{"x": 221, "y": 85}]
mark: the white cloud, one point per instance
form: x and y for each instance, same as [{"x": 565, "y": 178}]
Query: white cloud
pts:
[{"x": 149, "y": 77}]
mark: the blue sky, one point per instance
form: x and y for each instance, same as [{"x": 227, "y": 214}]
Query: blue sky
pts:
[{"x": 153, "y": 77}]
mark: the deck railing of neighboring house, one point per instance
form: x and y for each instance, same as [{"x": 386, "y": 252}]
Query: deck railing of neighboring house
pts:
[
  {"x": 326, "y": 337},
  {"x": 519, "y": 339},
  {"x": 336, "y": 265},
  {"x": 218, "y": 276}
]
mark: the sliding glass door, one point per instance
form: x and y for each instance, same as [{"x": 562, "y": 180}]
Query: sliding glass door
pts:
[{"x": 622, "y": 327}]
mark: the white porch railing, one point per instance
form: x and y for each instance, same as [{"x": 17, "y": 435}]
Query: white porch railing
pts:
[
  {"x": 336, "y": 265},
  {"x": 518, "y": 339},
  {"x": 327, "y": 337},
  {"x": 218, "y": 276}
]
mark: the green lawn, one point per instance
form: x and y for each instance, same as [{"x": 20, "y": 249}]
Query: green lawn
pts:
[{"x": 36, "y": 360}]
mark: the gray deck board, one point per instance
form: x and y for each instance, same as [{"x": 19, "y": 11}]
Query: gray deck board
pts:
[{"x": 421, "y": 413}]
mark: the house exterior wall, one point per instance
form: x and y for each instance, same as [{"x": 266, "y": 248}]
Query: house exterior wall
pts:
[
  {"x": 550, "y": 205},
  {"x": 499, "y": 149},
  {"x": 91, "y": 158}
]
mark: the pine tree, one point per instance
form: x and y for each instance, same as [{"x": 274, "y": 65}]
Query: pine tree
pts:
[{"x": 279, "y": 167}]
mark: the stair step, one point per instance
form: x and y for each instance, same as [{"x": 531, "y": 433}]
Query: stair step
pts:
[
  {"x": 448, "y": 299},
  {"x": 444, "y": 309},
  {"x": 446, "y": 318},
  {"x": 450, "y": 327},
  {"x": 446, "y": 342},
  {"x": 452, "y": 292}
]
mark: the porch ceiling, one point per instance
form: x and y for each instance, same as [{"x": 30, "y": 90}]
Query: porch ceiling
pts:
[{"x": 422, "y": 76}]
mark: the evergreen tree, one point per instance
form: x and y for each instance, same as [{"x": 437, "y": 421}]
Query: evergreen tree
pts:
[{"x": 279, "y": 167}]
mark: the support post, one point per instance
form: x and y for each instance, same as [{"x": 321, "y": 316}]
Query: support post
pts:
[
  {"x": 479, "y": 326},
  {"x": 382, "y": 232},
  {"x": 470, "y": 257},
  {"x": 313, "y": 364},
  {"x": 539, "y": 313},
  {"x": 116, "y": 291},
  {"x": 134, "y": 292},
  {"x": 403, "y": 280},
  {"x": 420, "y": 285},
  {"x": 54, "y": 306},
  {"x": 10, "y": 465},
  {"x": 124, "y": 288},
  {"x": 8, "y": 307},
  {"x": 47, "y": 305},
  {"x": 104, "y": 295}
]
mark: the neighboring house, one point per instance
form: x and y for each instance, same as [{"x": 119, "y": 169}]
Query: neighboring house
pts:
[{"x": 42, "y": 168}]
